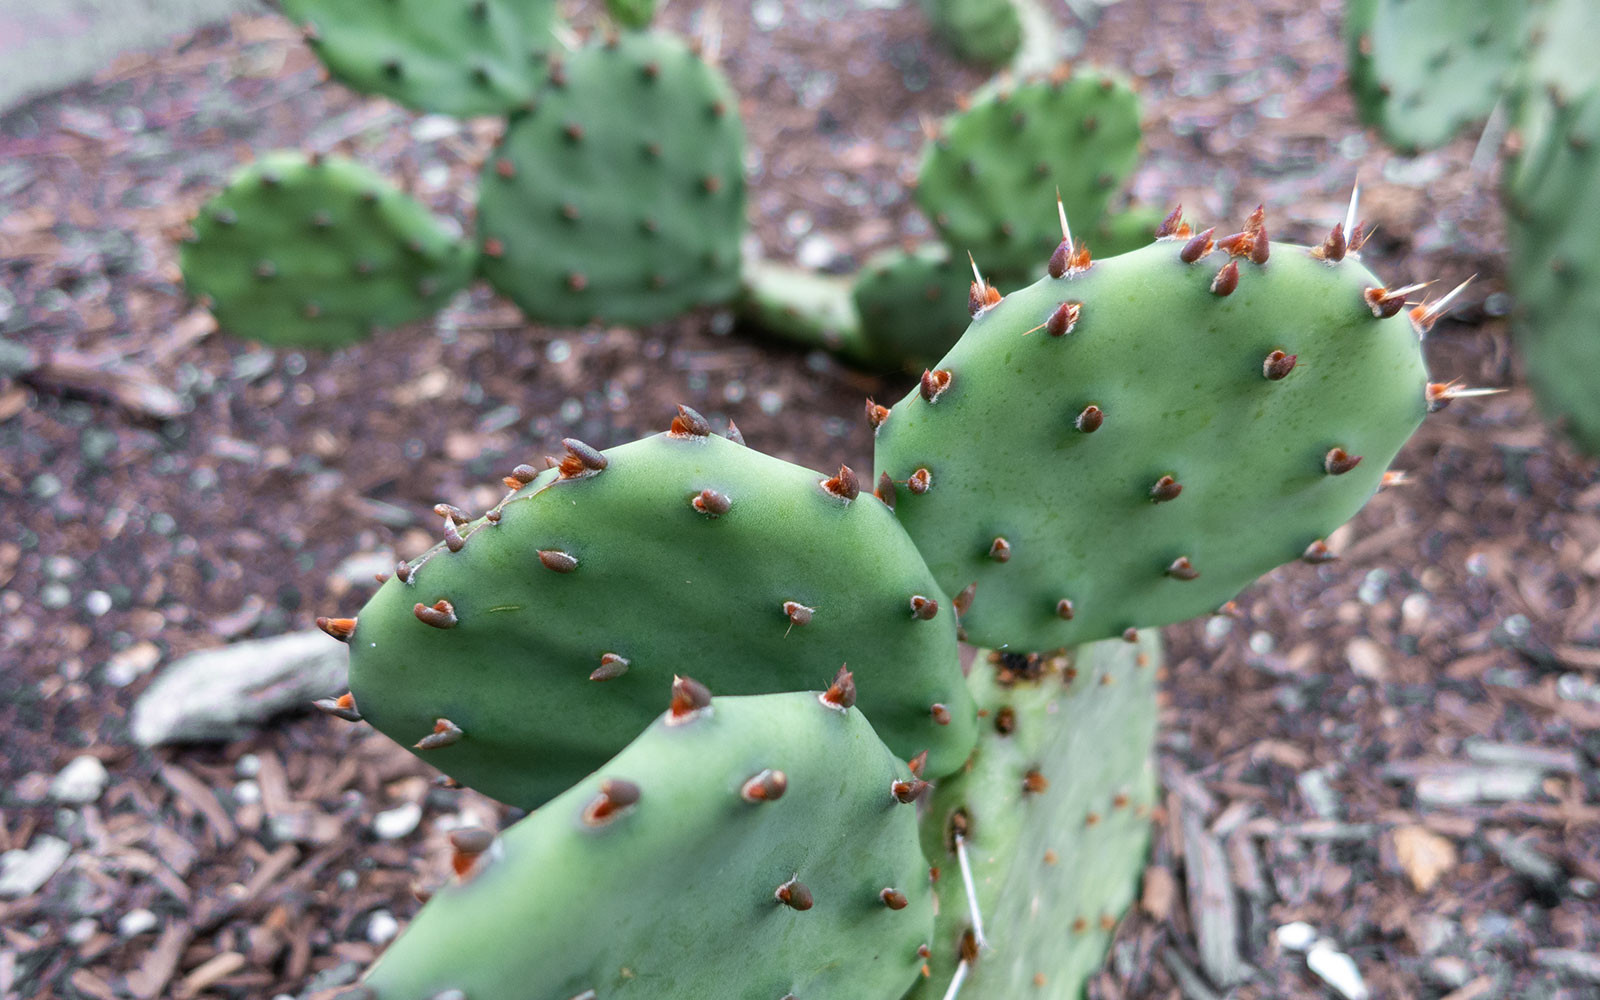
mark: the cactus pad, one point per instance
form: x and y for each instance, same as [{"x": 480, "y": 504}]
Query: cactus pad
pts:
[
  {"x": 1055, "y": 809},
  {"x": 913, "y": 305},
  {"x": 750, "y": 849},
  {"x": 544, "y": 632},
  {"x": 989, "y": 180},
  {"x": 1423, "y": 69},
  {"x": 1059, "y": 433},
  {"x": 318, "y": 251},
  {"x": 620, "y": 196},
  {"x": 457, "y": 57},
  {"x": 1552, "y": 195},
  {"x": 987, "y": 32}
]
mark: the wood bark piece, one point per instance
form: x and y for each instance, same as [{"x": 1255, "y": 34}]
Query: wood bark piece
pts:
[
  {"x": 221, "y": 694},
  {"x": 1212, "y": 906}
]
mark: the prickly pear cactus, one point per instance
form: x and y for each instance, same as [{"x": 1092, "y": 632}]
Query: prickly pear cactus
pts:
[
  {"x": 1132, "y": 443},
  {"x": 619, "y": 197},
  {"x": 742, "y": 847},
  {"x": 990, "y": 177},
  {"x": 1551, "y": 190},
  {"x": 530, "y": 646},
  {"x": 987, "y": 32},
  {"x": 1422, "y": 70},
  {"x": 913, "y": 306},
  {"x": 1053, "y": 814},
  {"x": 457, "y": 57},
  {"x": 317, "y": 252},
  {"x": 632, "y": 13}
]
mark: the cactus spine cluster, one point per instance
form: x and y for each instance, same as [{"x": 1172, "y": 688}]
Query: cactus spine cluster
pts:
[{"x": 539, "y": 637}]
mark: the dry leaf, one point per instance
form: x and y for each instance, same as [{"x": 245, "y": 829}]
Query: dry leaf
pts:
[{"x": 1424, "y": 855}]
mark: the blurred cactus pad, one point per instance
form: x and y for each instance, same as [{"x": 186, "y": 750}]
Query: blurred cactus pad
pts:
[{"x": 320, "y": 251}]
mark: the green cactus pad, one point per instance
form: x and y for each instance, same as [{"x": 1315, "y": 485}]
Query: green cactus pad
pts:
[
  {"x": 1552, "y": 195},
  {"x": 989, "y": 181},
  {"x": 1055, "y": 805},
  {"x": 632, "y": 13},
  {"x": 768, "y": 583},
  {"x": 1048, "y": 454},
  {"x": 987, "y": 32},
  {"x": 620, "y": 196},
  {"x": 804, "y": 307},
  {"x": 318, "y": 252},
  {"x": 913, "y": 305},
  {"x": 673, "y": 897},
  {"x": 1421, "y": 70},
  {"x": 457, "y": 57}
]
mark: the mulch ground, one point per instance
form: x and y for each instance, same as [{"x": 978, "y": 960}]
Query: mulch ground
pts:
[{"x": 1398, "y": 749}]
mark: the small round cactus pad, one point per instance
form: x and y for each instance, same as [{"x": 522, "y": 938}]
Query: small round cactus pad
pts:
[
  {"x": 740, "y": 849},
  {"x": 1053, "y": 814},
  {"x": 455, "y": 57},
  {"x": 533, "y": 644},
  {"x": 989, "y": 178},
  {"x": 1135, "y": 441},
  {"x": 619, "y": 196},
  {"x": 318, "y": 252}
]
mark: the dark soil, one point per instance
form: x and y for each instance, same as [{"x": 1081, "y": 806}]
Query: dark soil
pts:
[{"x": 167, "y": 488}]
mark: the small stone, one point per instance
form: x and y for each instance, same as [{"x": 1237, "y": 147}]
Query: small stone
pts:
[
  {"x": 247, "y": 766},
  {"x": 246, "y": 793},
  {"x": 80, "y": 931},
  {"x": 22, "y": 872},
  {"x": 81, "y": 781},
  {"x": 382, "y": 927},
  {"x": 1366, "y": 659},
  {"x": 97, "y": 603},
  {"x": 136, "y": 922},
  {"x": 392, "y": 824},
  {"x": 128, "y": 665},
  {"x": 1297, "y": 936},
  {"x": 1338, "y": 970}
]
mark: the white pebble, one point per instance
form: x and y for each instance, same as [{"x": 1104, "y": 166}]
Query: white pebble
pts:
[
  {"x": 382, "y": 927},
  {"x": 22, "y": 872},
  {"x": 81, "y": 781},
  {"x": 136, "y": 922},
  {"x": 1338, "y": 970},
  {"x": 392, "y": 824},
  {"x": 1296, "y": 936}
]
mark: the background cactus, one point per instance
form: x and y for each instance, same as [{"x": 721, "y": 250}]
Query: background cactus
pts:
[
  {"x": 458, "y": 57},
  {"x": 740, "y": 847},
  {"x": 619, "y": 196},
  {"x": 537, "y": 639},
  {"x": 988, "y": 32},
  {"x": 1062, "y": 429},
  {"x": 320, "y": 251},
  {"x": 1551, "y": 190},
  {"x": 990, "y": 166},
  {"x": 1422, "y": 70}
]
